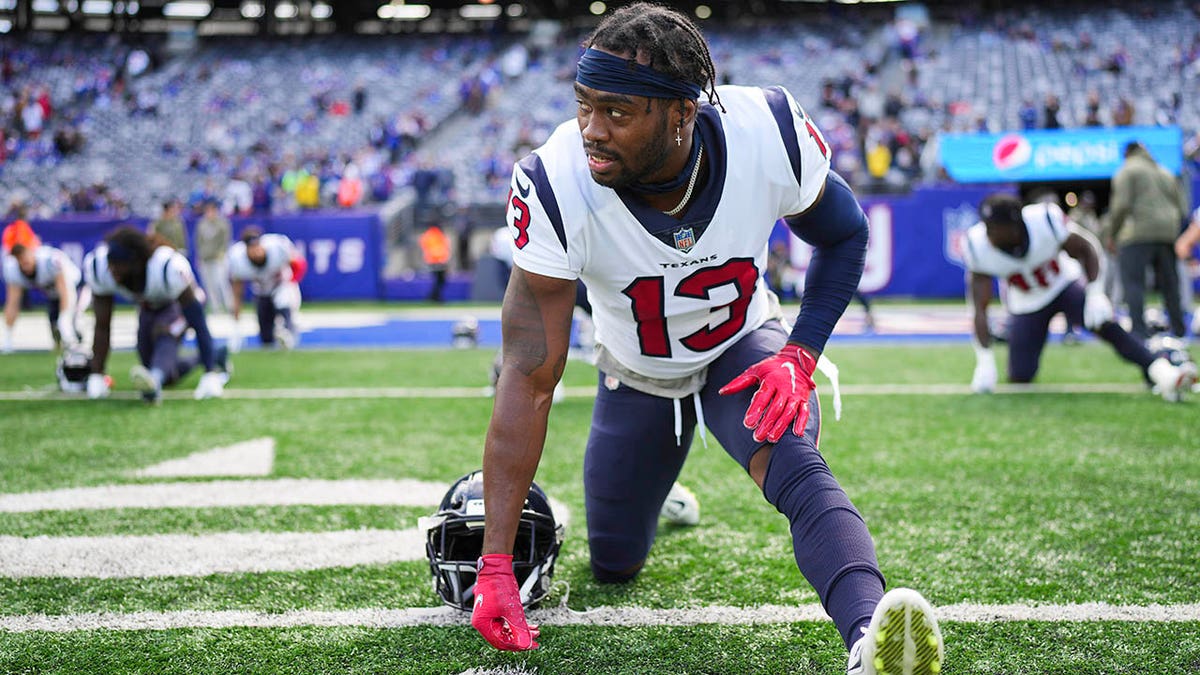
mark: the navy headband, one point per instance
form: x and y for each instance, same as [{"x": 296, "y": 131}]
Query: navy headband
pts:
[
  {"x": 118, "y": 253},
  {"x": 607, "y": 72}
]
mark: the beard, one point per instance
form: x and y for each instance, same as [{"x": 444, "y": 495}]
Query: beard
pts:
[{"x": 653, "y": 158}]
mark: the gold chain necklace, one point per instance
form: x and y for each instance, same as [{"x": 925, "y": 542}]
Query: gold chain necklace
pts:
[{"x": 691, "y": 184}]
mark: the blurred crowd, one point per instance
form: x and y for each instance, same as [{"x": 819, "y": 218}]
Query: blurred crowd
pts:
[{"x": 100, "y": 124}]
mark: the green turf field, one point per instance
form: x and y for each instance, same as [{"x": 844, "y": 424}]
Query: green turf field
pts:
[{"x": 1032, "y": 502}]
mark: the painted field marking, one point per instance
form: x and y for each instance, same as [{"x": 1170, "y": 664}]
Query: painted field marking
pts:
[
  {"x": 230, "y": 493},
  {"x": 155, "y": 555},
  {"x": 248, "y": 458},
  {"x": 602, "y": 616},
  {"x": 173, "y": 555},
  {"x": 324, "y": 393}
]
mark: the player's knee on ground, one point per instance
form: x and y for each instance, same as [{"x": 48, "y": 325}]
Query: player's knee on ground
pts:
[{"x": 609, "y": 577}]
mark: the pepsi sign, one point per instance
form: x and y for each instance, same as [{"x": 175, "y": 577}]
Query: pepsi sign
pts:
[{"x": 1058, "y": 154}]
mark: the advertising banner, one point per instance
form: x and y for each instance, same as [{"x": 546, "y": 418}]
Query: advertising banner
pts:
[
  {"x": 1054, "y": 154},
  {"x": 344, "y": 249}
]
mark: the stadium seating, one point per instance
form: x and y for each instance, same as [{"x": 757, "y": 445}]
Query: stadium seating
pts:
[{"x": 241, "y": 106}]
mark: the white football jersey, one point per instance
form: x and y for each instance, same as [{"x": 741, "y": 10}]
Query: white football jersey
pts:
[
  {"x": 670, "y": 295},
  {"x": 1035, "y": 278},
  {"x": 274, "y": 272},
  {"x": 49, "y": 263},
  {"x": 168, "y": 275}
]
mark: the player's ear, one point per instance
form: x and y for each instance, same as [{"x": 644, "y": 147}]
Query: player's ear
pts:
[{"x": 687, "y": 112}]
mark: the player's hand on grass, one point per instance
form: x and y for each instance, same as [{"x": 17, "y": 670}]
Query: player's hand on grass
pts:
[
  {"x": 97, "y": 386},
  {"x": 498, "y": 614},
  {"x": 985, "y": 377},
  {"x": 210, "y": 386}
]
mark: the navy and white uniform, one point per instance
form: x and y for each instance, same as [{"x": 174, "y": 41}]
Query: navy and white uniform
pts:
[
  {"x": 49, "y": 263},
  {"x": 1039, "y": 281},
  {"x": 277, "y": 293},
  {"x": 1036, "y": 276},
  {"x": 666, "y": 306},
  {"x": 161, "y": 322},
  {"x": 273, "y": 278},
  {"x": 168, "y": 275},
  {"x": 681, "y": 308}
]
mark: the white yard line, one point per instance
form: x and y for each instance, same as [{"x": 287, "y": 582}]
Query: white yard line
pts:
[
  {"x": 255, "y": 457},
  {"x": 171, "y": 555},
  {"x": 324, "y": 393},
  {"x": 603, "y": 616},
  {"x": 230, "y": 493}
]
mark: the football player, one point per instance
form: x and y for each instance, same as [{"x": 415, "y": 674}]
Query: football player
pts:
[
  {"x": 1044, "y": 261},
  {"x": 143, "y": 269},
  {"x": 1184, "y": 246},
  {"x": 661, "y": 196},
  {"x": 49, "y": 270},
  {"x": 274, "y": 267}
]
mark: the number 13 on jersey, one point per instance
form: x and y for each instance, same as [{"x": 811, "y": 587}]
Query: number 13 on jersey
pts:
[{"x": 648, "y": 302}]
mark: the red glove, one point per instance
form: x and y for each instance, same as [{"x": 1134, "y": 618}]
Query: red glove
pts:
[
  {"x": 299, "y": 267},
  {"x": 498, "y": 614},
  {"x": 784, "y": 383}
]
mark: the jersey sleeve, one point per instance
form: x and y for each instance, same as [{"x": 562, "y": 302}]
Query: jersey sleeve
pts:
[
  {"x": 12, "y": 271},
  {"x": 809, "y": 159},
  {"x": 96, "y": 274},
  {"x": 178, "y": 275},
  {"x": 239, "y": 264},
  {"x": 971, "y": 252},
  {"x": 536, "y": 224},
  {"x": 1056, "y": 220}
]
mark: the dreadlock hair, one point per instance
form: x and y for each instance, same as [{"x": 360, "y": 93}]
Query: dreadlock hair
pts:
[
  {"x": 129, "y": 244},
  {"x": 667, "y": 39}
]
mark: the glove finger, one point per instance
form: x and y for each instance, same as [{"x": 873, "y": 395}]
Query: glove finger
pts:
[
  {"x": 517, "y": 636},
  {"x": 777, "y": 430},
  {"x": 738, "y": 383},
  {"x": 771, "y": 417},
  {"x": 780, "y": 411},
  {"x": 758, "y": 405},
  {"x": 801, "y": 420}
]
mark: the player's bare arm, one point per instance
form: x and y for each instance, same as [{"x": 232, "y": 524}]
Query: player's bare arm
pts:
[
  {"x": 102, "y": 305},
  {"x": 536, "y": 327},
  {"x": 239, "y": 291},
  {"x": 12, "y": 304},
  {"x": 65, "y": 297},
  {"x": 1083, "y": 247},
  {"x": 188, "y": 296},
  {"x": 981, "y": 296},
  {"x": 1187, "y": 241}
]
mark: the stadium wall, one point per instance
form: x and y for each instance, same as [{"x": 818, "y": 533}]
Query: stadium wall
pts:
[{"x": 915, "y": 248}]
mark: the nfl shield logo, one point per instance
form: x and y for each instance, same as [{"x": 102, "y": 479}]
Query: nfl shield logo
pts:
[
  {"x": 955, "y": 223},
  {"x": 684, "y": 239}
]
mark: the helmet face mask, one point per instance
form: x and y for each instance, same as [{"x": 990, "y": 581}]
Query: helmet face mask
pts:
[
  {"x": 72, "y": 369},
  {"x": 454, "y": 542}
]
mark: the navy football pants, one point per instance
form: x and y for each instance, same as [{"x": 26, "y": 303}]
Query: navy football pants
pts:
[
  {"x": 1027, "y": 335},
  {"x": 160, "y": 333},
  {"x": 632, "y": 460}
]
